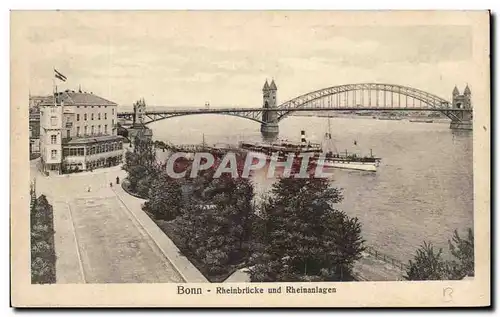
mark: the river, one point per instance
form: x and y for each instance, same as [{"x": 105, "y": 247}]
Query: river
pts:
[{"x": 423, "y": 189}]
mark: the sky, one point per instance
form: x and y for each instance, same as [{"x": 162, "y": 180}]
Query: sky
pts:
[{"x": 187, "y": 59}]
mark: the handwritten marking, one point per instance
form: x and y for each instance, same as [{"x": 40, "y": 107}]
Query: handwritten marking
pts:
[{"x": 447, "y": 294}]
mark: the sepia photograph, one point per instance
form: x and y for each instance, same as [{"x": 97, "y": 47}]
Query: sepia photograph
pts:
[{"x": 273, "y": 158}]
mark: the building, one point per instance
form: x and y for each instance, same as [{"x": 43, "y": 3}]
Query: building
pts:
[
  {"x": 78, "y": 132},
  {"x": 34, "y": 126},
  {"x": 34, "y": 122}
]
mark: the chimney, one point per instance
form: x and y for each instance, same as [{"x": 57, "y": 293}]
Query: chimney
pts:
[{"x": 303, "y": 137}]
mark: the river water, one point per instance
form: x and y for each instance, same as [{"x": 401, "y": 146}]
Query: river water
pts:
[{"x": 423, "y": 189}]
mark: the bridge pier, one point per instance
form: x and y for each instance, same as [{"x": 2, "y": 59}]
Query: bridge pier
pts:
[
  {"x": 461, "y": 125},
  {"x": 269, "y": 129}
]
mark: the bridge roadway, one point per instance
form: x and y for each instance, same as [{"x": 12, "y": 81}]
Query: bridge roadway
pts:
[{"x": 166, "y": 110}]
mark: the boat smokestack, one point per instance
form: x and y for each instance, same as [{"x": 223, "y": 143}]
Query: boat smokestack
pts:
[{"x": 303, "y": 137}]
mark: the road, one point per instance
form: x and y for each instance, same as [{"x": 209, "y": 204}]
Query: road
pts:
[{"x": 97, "y": 239}]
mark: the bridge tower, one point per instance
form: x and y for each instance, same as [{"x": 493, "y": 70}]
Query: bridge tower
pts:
[
  {"x": 139, "y": 129},
  {"x": 139, "y": 110},
  {"x": 270, "y": 126},
  {"x": 462, "y": 101}
]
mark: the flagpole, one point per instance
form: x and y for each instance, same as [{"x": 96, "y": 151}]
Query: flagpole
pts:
[{"x": 54, "y": 87}]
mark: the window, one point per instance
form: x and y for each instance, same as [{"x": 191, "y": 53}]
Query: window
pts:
[
  {"x": 99, "y": 116},
  {"x": 77, "y": 117},
  {"x": 53, "y": 121},
  {"x": 80, "y": 151},
  {"x": 85, "y": 130},
  {"x": 77, "y": 131},
  {"x": 112, "y": 111},
  {"x": 92, "y": 116},
  {"x": 105, "y": 116},
  {"x": 53, "y": 139},
  {"x": 92, "y": 133},
  {"x": 53, "y": 154},
  {"x": 112, "y": 123},
  {"x": 85, "y": 117},
  {"x": 106, "y": 128},
  {"x": 99, "y": 129}
]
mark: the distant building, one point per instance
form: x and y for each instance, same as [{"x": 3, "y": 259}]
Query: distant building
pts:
[
  {"x": 34, "y": 122},
  {"x": 35, "y": 101},
  {"x": 78, "y": 132}
]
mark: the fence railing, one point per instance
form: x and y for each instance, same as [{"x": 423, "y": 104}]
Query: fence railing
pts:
[{"x": 386, "y": 258}]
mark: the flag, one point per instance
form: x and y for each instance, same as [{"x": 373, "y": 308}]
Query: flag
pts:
[{"x": 59, "y": 75}]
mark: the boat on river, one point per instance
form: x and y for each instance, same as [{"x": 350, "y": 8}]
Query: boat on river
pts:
[
  {"x": 282, "y": 148},
  {"x": 279, "y": 151},
  {"x": 346, "y": 160}
]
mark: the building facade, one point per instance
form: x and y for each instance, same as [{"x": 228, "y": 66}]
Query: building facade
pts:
[
  {"x": 78, "y": 132},
  {"x": 34, "y": 132},
  {"x": 34, "y": 122}
]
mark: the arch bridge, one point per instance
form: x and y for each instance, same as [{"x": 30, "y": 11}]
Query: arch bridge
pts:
[{"x": 374, "y": 97}]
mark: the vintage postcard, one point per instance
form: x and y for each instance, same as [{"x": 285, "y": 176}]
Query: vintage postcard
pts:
[{"x": 250, "y": 159}]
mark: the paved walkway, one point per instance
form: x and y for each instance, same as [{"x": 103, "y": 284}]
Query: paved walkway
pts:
[
  {"x": 97, "y": 239},
  {"x": 240, "y": 276},
  {"x": 185, "y": 268},
  {"x": 368, "y": 268}
]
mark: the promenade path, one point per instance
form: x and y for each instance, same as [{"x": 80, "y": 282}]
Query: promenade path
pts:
[{"x": 97, "y": 239}]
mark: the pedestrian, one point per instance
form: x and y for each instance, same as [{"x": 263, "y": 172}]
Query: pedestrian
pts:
[
  {"x": 117, "y": 180},
  {"x": 110, "y": 184}
]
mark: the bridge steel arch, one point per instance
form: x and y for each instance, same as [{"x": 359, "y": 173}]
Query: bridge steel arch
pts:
[
  {"x": 307, "y": 100},
  {"x": 254, "y": 115}
]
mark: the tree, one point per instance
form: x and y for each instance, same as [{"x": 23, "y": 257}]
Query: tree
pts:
[
  {"x": 428, "y": 264},
  {"x": 141, "y": 166},
  {"x": 215, "y": 224},
  {"x": 306, "y": 238},
  {"x": 463, "y": 251},
  {"x": 165, "y": 197},
  {"x": 42, "y": 242}
]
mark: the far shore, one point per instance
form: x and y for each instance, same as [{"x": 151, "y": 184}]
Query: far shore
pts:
[{"x": 373, "y": 117}]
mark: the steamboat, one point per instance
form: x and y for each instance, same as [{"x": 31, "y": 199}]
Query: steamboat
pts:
[{"x": 281, "y": 149}]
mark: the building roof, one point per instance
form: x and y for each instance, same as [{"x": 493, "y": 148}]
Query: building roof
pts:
[
  {"x": 273, "y": 86},
  {"x": 467, "y": 90},
  {"x": 266, "y": 86},
  {"x": 73, "y": 98},
  {"x": 455, "y": 91},
  {"x": 94, "y": 139}
]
